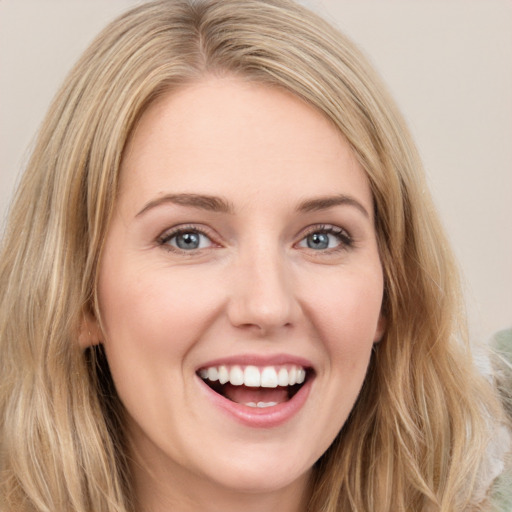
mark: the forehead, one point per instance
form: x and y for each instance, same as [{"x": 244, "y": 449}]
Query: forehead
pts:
[{"x": 240, "y": 137}]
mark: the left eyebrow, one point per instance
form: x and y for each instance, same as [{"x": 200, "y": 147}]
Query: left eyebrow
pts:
[{"x": 323, "y": 203}]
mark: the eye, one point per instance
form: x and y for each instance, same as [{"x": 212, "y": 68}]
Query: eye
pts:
[
  {"x": 325, "y": 238},
  {"x": 186, "y": 239}
]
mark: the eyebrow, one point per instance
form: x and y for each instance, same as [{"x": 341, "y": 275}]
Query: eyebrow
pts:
[
  {"x": 323, "y": 203},
  {"x": 202, "y": 202},
  {"x": 220, "y": 205}
]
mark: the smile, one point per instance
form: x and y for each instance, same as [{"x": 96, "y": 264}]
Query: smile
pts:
[{"x": 254, "y": 386}]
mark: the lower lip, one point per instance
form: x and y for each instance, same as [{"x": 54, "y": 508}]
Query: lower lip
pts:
[{"x": 264, "y": 417}]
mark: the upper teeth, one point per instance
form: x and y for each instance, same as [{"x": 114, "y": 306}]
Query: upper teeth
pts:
[{"x": 252, "y": 376}]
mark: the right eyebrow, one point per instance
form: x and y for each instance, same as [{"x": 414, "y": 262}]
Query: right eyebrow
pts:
[{"x": 202, "y": 202}]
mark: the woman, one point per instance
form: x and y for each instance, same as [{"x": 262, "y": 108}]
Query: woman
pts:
[{"x": 225, "y": 286}]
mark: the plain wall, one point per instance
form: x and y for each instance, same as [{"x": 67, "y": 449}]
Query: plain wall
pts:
[{"x": 446, "y": 62}]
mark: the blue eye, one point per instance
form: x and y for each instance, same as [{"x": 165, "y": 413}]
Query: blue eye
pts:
[
  {"x": 187, "y": 240},
  {"x": 326, "y": 238},
  {"x": 320, "y": 241}
]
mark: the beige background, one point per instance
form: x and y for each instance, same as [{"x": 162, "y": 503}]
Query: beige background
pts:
[{"x": 447, "y": 62}]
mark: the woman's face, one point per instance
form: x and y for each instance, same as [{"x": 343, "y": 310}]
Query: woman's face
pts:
[{"x": 241, "y": 257}]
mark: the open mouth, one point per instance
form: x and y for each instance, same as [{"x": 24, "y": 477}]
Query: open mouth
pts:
[{"x": 253, "y": 386}]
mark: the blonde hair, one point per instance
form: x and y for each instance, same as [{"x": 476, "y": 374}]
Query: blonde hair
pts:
[{"x": 417, "y": 435}]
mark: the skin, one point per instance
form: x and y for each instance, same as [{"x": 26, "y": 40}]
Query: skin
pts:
[{"x": 253, "y": 288}]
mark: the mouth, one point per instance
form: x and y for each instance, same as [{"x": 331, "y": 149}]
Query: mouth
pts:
[{"x": 256, "y": 387}]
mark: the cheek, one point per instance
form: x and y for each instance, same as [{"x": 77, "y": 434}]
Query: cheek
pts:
[
  {"x": 346, "y": 313},
  {"x": 149, "y": 307},
  {"x": 150, "y": 323},
  {"x": 345, "y": 316}
]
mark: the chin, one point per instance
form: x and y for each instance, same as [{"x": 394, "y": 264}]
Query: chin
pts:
[
  {"x": 263, "y": 480},
  {"x": 260, "y": 472}
]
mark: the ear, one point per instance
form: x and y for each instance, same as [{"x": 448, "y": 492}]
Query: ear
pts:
[
  {"x": 90, "y": 332},
  {"x": 381, "y": 328}
]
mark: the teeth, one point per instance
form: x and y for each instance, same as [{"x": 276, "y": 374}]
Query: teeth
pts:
[
  {"x": 292, "y": 376},
  {"x": 269, "y": 377},
  {"x": 282, "y": 377},
  {"x": 252, "y": 376},
  {"x": 236, "y": 376},
  {"x": 261, "y": 404},
  {"x": 213, "y": 374},
  {"x": 223, "y": 374}
]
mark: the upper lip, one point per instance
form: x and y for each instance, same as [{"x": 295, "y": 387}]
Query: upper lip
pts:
[{"x": 258, "y": 360}]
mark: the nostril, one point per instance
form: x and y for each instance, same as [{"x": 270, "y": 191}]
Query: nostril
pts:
[{"x": 263, "y": 303}]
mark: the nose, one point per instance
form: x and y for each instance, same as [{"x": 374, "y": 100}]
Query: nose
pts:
[{"x": 262, "y": 295}]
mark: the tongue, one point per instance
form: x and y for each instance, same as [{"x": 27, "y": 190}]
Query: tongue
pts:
[{"x": 245, "y": 395}]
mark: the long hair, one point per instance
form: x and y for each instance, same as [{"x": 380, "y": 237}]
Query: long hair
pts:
[{"x": 417, "y": 435}]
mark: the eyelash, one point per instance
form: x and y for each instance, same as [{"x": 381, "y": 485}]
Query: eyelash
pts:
[
  {"x": 166, "y": 237},
  {"x": 345, "y": 239}
]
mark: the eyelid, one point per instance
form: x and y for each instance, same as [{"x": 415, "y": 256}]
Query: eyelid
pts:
[
  {"x": 170, "y": 233},
  {"x": 346, "y": 239}
]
